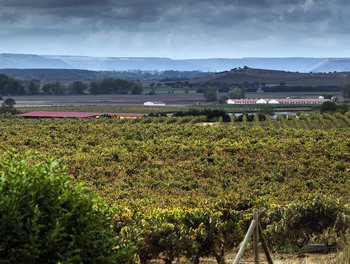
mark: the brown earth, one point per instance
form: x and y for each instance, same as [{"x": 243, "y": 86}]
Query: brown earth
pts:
[
  {"x": 277, "y": 259},
  {"x": 177, "y": 99},
  {"x": 168, "y": 99}
]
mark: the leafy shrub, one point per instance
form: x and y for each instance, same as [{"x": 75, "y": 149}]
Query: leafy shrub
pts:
[
  {"x": 44, "y": 219},
  {"x": 316, "y": 220},
  {"x": 328, "y": 107}
]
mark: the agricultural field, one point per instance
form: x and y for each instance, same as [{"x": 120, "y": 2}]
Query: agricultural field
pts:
[
  {"x": 118, "y": 99},
  {"x": 182, "y": 189}
]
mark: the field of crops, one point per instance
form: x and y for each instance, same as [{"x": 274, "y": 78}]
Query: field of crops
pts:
[{"x": 184, "y": 189}]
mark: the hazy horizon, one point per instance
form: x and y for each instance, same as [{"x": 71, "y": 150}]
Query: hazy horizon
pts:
[{"x": 202, "y": 58}]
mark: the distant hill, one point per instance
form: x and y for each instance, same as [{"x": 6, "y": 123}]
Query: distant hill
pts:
[
  {"x": 273, "y": 77},
  {"x": 30, "y": 61},
  {"x": 27, "y": 61}
]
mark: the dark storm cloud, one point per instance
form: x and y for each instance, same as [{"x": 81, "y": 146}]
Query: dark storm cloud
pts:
[
  {"x": 220, "y": 12},
  {"x": 200, "y": 23},
  {"x": 52, "y": 3}
]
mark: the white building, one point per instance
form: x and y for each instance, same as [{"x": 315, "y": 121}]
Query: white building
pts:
[
  {"x": 273, "y": 101},
  {"x": 261, "y": 101},
  {"x": 154, "y": 103}
]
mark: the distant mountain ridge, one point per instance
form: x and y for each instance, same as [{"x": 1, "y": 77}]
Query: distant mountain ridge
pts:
[{"x": 297, "y": 64}]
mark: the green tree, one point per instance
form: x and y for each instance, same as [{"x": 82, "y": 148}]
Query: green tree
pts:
[
  {"x": 210, "y": 94},
  {"x": 328, "y": 107},
  {"x": 8, "y": 106},
  {"x": 342, "y": 108},
  {"x": 33, "y": 88},
  {"x": 117, "y": 86},
  {"x": 137, "y": 88},
  {"x": 44, "y": 219},
  {"x": 53, "y": 88},
  {"x": 236, "y": 93},
  {"x": 77, "y": 87},
  {"x": 58, "y": 88},
  {"x": 263, "y": 112},
  {"x": 47, "y": 88},
  {"x": 346, "y": 90},
  {"x": 95, "y": 87},
  {"x": 223, "y": 99},
  {"x": 11, "y": 86},
  {"x": 152, "y": 90}
]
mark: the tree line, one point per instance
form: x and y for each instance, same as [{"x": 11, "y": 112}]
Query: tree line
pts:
[{"x": 12, "y": 86}]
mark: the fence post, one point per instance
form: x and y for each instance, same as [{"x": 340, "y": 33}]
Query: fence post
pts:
[
  {"x": 239, "y": 255},
  {"x": 256, "y": 231},
  {"x": 264, "y": 245},
  {"x": 256, "y": 236}
]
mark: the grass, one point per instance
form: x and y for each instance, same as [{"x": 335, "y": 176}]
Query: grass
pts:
[{"x": 107, "y": 109}]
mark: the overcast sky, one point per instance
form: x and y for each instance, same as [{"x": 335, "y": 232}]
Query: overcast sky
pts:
[{"x": 176, "y": 28}]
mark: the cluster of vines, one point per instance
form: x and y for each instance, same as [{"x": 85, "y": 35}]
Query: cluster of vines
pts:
[{"x": 181, "y": 189}]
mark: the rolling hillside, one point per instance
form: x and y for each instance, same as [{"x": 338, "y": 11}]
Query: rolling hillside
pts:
[{"x": 297, "y": 64}]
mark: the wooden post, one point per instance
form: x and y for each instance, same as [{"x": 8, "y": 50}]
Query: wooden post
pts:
[
  {"x": 245, "y": 242},
  {"x": 264, "y": 245},
  {"x": 256, "y": 236}
]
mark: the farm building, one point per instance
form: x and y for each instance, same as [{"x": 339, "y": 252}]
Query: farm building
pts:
[
  {"x": 242, "y": 101},
  {"x": 74, "y": 114},
  {"x": 261, "y": 101},
  {"x": 276, "y": 101},
  {"x": 155, "y": 103}
]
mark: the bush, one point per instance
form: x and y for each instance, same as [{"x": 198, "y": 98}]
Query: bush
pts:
[
  {"x": 44, "y": 219},
  {"x": 8, "y": 106},
  {"x": 328, "y": 107}
]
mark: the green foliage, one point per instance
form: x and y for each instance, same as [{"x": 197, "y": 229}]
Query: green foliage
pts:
[
  {"x": 332, "y": 118},
  {"x": 319, "y": 219},
  {"x": 77, "y": 87},
  {"x": 210, "y": 94},
  {"x": 236, "y": 93},
  {"x": 304, "y": 117},
  {"x": 186, "y": 190},
  {"x": 223, "y": 99},
  {"x": 46, "y": 220},
  {"x": 328, "y": 107},
  {"x": 346, "y": 90},
  {"x": 266, "y": 111},
  {"x": 211, "y": 115},
  {"x": 8, "y": 106},
  {"x": 343, "y": 117},
  {"x": 33, "y": 88},
  {"x": 137, "y": 88},
  {"x": 54, "y": 88},
  {"x": 11, "y": 86},
  {"x": 282, "y": 120},
  {"x": 342, "y": 108}
]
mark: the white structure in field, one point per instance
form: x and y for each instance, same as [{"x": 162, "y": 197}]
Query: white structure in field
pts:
[
  {"x": 155, "y": 103},
  {"x": 261, "y": 101},
  {"x": 273, "y": 101}
]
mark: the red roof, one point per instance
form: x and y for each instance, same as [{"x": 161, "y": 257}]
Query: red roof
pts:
[
  {"x": 296, "y": 101},
  {"x": 302, "y": 100},
  {"x": 75, "y": 114},
  {"x": 244, "y": 100}
]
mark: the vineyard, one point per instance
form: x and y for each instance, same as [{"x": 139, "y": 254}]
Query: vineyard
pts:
[{"x": 179, "y": 188}]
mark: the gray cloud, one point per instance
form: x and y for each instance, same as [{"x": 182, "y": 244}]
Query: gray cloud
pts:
[
  {"x": 170, "y": 24},
  {"x": 221, "y": 12}
]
